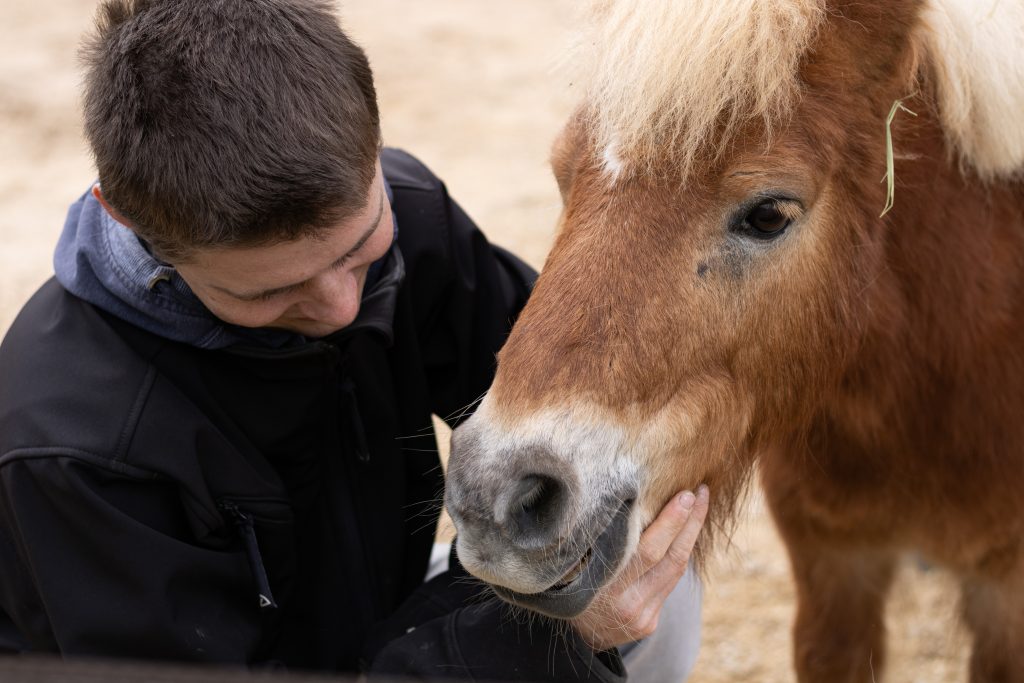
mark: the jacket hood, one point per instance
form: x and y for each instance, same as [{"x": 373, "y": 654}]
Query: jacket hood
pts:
[{"x": 101, "y": 261}]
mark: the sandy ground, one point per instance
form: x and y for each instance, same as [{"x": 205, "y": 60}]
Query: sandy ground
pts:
[{"x": 471, "y": 88}]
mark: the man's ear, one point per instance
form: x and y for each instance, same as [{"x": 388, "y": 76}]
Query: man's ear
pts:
[{"x": 115, "y": 214}]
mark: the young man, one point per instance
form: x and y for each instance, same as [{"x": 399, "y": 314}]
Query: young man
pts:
[{"x": 215, "y": 431}]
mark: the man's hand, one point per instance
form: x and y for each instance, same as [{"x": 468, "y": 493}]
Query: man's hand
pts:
[{"x": 628, "y": 609}]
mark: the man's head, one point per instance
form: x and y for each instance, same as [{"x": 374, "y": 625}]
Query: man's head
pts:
[{"x": 221, "y": 127}]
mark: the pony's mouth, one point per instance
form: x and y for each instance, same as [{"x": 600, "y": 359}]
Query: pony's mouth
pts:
[
  {"x": 575, "y": 572},
  {"x": 573, "y": 592}
]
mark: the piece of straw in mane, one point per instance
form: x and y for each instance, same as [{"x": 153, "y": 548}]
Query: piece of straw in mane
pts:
[
  {"x": 682, "y": 74},
  {"x": 974, "y": 54}
]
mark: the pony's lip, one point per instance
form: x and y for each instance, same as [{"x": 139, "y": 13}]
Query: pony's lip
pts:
[
  {"x": 575, "y": 571},
  {"x": 568, "y": 600}
]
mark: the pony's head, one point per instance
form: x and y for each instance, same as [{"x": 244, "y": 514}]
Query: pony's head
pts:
[{"x": 720, "y": 259}]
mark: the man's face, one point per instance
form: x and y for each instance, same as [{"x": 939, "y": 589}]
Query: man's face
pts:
[{"x": 311, "y": 285}]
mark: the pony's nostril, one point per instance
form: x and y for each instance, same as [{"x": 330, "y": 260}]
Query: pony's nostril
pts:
[{"x": 536, "y": 504}]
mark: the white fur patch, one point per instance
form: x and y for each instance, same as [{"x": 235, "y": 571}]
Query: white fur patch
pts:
[
  {"x": 974, "y": 51},
  {"x": 611, "y": 162}
]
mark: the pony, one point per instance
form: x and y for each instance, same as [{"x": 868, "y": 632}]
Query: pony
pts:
[{"x": 731, "y": 283}]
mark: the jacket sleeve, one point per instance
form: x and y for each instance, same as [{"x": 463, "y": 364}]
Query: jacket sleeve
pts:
[
  {"x": 452, "y": 628},
  {"x": 96, "y": 563},
  {"x": 488, "y": 642}
]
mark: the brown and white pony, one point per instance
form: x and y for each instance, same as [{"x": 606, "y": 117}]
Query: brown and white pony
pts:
[{"x": 723, "y": 289}]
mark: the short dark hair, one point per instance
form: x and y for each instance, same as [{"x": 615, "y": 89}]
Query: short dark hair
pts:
[{"x": 228, "y": 122}]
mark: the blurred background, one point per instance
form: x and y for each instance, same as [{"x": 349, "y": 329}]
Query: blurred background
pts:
[{"x": 473, "y": 89}]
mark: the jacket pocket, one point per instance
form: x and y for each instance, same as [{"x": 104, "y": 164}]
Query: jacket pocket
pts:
[{"x": 264, "y": 527}]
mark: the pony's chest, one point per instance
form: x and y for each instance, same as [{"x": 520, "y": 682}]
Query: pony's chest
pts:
[{"x": 900, "y": 499}]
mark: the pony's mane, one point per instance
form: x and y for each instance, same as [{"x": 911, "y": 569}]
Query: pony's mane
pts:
[
  {"x": 973, "y": 53},
  {"x": 682, "y": 74}
]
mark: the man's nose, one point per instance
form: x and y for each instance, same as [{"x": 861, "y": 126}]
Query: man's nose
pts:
[{"x": 333, "y": 299}]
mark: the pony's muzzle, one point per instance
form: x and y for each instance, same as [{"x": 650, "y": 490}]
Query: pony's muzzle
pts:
[
  {"x": 535, "y": 518},
  {"x": 512, "y": 509}
]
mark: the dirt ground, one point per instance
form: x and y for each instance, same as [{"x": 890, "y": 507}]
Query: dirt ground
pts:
[{"x": 470, "y": 87}]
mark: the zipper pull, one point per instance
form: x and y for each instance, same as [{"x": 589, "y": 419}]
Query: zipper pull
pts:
[{"x": 244, "y": 524}]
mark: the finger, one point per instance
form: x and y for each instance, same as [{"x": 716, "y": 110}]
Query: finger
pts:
[
  {"x": 658, "y": 537},
  {"x": 663, "y": 577}
]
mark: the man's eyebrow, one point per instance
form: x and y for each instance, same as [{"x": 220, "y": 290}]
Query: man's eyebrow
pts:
[{"x": 253, "y": 296}]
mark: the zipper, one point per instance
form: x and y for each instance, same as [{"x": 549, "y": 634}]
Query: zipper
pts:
[
  {"x": 247, "y": 530},
  {"x": 361, "y": 447}
]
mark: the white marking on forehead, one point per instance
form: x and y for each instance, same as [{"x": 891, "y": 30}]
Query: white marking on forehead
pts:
[{"x": 611, "y": 162}]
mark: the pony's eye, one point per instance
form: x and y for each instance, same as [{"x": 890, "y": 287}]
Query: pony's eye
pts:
[{"x": 766, "y": 219}]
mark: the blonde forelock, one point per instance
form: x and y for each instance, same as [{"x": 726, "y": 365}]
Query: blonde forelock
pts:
[{"x": 682, "y": 75}]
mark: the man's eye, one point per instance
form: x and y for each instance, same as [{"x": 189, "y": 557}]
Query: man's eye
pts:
[{"x": 266, "y": 296}]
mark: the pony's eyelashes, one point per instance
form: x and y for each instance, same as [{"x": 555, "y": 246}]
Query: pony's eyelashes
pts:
[{"x": 765, "y": 217}]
